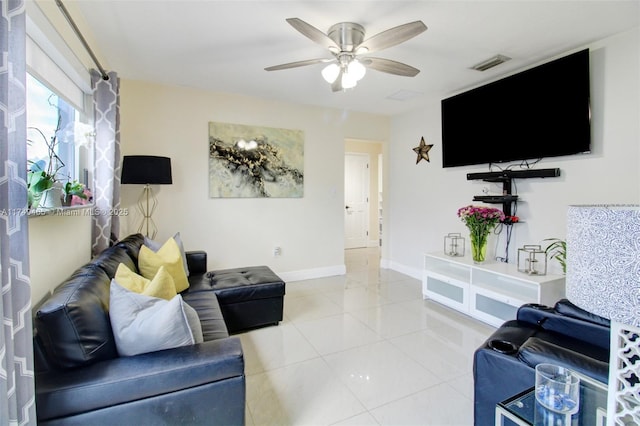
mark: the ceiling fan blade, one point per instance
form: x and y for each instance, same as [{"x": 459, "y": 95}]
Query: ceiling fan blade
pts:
[
  {"x": 389, "y": 66},
  {"x": 313, "y": 34},
  {"x": 391, "y": 37},
  {"x": 297, "y": 64}
]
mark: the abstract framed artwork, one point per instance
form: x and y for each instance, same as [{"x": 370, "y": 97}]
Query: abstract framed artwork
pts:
[{"x": 255, "y": 162}]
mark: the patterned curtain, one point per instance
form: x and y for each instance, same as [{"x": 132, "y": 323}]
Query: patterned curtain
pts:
[
  {"x": 17, "y": 390},
  {"x": 106, "y": 108}
]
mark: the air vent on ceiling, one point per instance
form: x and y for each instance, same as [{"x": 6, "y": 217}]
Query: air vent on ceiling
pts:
[
  {"x": 404, "y": 95},
  {"x": 490, "y": 63}
]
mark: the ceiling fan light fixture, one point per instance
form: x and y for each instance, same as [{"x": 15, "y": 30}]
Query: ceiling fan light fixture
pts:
[
  {"x": 348, "y": 81},
  {"x": 345, "y": 40},
  {"x": 356, "y": 70},
  {"x": 330, "y": 73}
]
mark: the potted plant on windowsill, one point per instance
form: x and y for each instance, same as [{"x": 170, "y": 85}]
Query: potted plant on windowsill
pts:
[
  {"x": 75, "y": 189},
  {"x": 43, "y": 188}
]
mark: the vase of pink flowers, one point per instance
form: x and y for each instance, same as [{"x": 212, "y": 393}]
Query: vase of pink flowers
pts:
[{"x": 480, "y": 221}]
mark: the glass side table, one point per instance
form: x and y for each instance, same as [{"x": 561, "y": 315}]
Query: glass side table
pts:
[{"x": 524, "y": 410}]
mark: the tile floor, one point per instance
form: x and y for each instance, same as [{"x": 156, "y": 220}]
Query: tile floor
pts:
[{"x": 362, "y": 349}]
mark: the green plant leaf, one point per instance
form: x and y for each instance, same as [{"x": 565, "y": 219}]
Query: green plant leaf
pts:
[
  {"x": 75, "y": 188},
  {"x": 557, "y": 250},
  {"x": 42, "y": 185},
  {"x": 39, "y": 181}
]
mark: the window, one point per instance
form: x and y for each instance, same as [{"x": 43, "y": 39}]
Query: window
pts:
[
  {"x": 59, "y": 117},
  {"x": 58, "y": 140}
]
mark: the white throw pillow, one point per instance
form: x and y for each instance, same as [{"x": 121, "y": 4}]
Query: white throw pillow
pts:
[
  {"x": 155, "y": 246},
  {"x": 143, "y": 324}
]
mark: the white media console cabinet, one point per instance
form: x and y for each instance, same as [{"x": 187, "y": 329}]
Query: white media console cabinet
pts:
[{"x": 490, "y": 292}]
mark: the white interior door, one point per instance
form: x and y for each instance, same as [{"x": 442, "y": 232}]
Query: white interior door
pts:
[{"x": 356, "y": 200}]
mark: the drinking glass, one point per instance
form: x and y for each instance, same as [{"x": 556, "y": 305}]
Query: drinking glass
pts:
[{"x": 557, "y": 388}]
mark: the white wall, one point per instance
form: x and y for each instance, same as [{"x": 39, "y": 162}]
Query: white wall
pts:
[
  {"x": 173, "y": 121},
  {"x": 424, "y": 198},
  {"x": 58, "y": 245}
]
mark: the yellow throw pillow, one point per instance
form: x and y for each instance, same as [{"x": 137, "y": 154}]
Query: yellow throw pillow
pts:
[
  {"x": 168, "y": 256},
  {"x": 161, "y": 286}
]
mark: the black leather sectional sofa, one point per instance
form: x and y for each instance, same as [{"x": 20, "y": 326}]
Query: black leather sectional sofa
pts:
[
  {"x": 80, "y": 379},
  {"x": 564, "y": 335}
]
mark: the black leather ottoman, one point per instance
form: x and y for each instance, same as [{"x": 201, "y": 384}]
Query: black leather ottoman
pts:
[{"x": 249, "y": 297}]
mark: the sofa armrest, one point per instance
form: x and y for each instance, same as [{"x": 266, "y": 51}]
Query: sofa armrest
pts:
[
  {"x": 125, "y": 379},
  {"x": 533, "y": 313},
  {"x": 197, "y": 261}
]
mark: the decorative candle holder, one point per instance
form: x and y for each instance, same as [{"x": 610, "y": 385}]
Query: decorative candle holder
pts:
[
  {"x": 454, "y": 244},
  {"x": 532, "y": 260}
]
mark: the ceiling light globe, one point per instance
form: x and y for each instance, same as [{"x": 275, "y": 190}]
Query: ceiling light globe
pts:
[
  {"x": 356, "y": 70},
  {"x": 348, "y": 81},
  {"x": 330, "y": 73}
]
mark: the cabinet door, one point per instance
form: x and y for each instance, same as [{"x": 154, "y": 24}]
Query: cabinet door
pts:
[
  {"x": 446, "y": 268},
  {"x": 491, "y": 309},
  {"x": 496, "y": 298},
  {"x": 452, "y": 293}
]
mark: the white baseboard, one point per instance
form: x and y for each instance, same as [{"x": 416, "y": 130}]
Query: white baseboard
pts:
[
  {"x": 407, "y": 270},
  {"x": 330, "y": 271},
  {"x": 384, "y": 263},
  {"x": 309, "y": 274}
]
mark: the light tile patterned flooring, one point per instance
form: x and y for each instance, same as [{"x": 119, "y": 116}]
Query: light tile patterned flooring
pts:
[{"x": 362, "y": 349}]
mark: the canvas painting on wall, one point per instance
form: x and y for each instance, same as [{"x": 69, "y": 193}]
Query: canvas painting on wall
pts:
[{"x": 255, "y": 162}]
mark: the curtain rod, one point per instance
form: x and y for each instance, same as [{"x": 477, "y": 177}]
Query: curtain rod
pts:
[{"x": 75, "y": 28}]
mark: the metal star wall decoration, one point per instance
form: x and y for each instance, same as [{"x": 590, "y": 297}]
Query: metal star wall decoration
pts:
[{"x": 423, "y": 151}]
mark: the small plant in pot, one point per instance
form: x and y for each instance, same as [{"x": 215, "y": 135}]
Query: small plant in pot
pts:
[
  {"x": 41, "y": 185},
  {"x": 557, "y": 249},
  {"x": 43, "y": 188},
  {"x": 71, "y": 189}
]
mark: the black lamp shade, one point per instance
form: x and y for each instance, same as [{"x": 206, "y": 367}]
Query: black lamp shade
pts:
[{"x": 146, "y": 169}]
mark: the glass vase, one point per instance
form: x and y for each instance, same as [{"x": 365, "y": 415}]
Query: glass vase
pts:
[{"x": 478, "y": 248}]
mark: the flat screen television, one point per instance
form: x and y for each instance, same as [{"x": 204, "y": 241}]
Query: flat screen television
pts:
[{"x": 537, "y": 113}]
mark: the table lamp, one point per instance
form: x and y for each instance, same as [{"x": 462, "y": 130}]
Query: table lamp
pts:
[
  {"x": 146, "y": 170},
  {"x": 603, "y": 277}
]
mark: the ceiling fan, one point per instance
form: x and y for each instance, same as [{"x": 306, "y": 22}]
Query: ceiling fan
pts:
[{"x": 345, "y": 41}]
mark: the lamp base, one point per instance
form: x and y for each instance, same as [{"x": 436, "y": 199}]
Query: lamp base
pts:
[
  {"x": 147, "y": 203},
  {"x": 623, "y": 405}
]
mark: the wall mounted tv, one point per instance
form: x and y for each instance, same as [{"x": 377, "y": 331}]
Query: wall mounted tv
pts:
[{"x": 537, "y": 113}]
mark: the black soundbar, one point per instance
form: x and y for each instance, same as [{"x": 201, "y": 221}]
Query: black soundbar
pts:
[
  {"x": 495, "y": 199},
  {"x": 514, "y": 174}
]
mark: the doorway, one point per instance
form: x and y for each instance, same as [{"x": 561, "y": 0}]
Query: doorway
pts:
[
  {"x": 356, "y": 200},
  {"x": 363, "y": 185}
]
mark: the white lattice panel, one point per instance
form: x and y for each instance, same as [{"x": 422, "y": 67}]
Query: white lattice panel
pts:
[{"x": 624, "y": 376}]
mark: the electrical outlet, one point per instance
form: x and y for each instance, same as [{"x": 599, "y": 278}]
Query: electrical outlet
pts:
[{"x": 277, "y": 251}]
